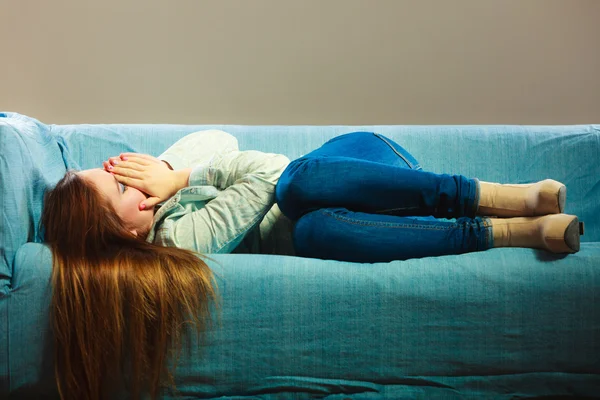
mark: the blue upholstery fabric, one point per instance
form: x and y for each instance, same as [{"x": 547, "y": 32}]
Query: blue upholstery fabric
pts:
[
  {"x": 30, "y": 160},
  {"x": 500, "y": 323},
  {"x": 497, "y": 324}
]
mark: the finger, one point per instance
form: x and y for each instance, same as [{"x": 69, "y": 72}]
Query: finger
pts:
[
  {"x": 134, "y": 183},
  {"x": 149, "y": 203},
  {"x": 130, "y": 154},
  {"x": 133, "y": 165},
  {"x": 138, "y": 155},
  {"x": 107, "y": 166},
  {"x": 130, "y": 170},
  {"x": 127, "y": 172},
  {"x": 137, "y": 160}
]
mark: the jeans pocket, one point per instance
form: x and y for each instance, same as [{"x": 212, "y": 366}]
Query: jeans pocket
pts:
[{"x": 408, "y": 158}]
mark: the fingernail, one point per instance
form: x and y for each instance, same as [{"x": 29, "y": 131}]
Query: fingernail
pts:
[
  {"x": 124, "y": 158},
  {"x": 110, "y": 167},
  {"x": 143, "y": 206},
  {"x": 115, "y": 162}
]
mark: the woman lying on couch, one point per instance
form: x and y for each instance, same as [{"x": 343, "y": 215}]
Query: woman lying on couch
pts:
[{"x": 360, "y": 197}]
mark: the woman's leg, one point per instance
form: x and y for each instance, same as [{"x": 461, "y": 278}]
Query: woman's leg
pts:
[
  {"x": 368, "y": 146},
  {"x": 382, "y": 190},
  {"x": 367, "y": 172},
  {"x": 340, "y": 234}
]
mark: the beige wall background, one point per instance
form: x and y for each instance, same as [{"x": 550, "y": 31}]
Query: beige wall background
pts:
[{"x": 302, "y": 61}]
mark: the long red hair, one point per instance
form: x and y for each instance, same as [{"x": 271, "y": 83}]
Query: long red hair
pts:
[{"x": 118, "y": 303}]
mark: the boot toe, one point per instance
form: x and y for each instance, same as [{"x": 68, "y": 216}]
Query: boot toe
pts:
[{"x": 562, "y": 199}]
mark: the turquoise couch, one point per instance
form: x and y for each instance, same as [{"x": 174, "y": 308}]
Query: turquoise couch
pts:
[{"x": 502, "y": 324}]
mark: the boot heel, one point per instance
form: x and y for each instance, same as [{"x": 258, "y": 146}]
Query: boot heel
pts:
[
  {"x": 572, "y": 235},
  {"x": 561, "y": 233}
]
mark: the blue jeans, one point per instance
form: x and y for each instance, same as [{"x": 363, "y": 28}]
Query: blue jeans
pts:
[{"x": 362, "y": 197}]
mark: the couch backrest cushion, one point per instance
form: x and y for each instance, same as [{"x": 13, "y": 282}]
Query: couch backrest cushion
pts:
[{"x": 497, "y": 153}]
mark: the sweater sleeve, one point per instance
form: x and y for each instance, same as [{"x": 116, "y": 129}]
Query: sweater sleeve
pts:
[
  {"x": 246, "y": 181},
  {"x": 198, "y": 148}
]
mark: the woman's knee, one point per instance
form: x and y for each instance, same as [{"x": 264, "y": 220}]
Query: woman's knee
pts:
[
  {"x": 319, "y": 234},
  {"x": 306, "y": 236}
]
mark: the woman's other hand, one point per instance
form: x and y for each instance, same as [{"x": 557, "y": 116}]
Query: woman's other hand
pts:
[{"x": 147, "y": 174}]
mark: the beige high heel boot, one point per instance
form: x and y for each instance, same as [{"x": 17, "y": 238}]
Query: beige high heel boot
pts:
[
  {"x": 557, "y": 233},
  {"x": 526, "y": 200}
]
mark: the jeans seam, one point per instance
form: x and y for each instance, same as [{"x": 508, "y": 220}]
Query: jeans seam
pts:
[
  {"x": 410, "y": 165},
  {"x": 383, "y": 224},
  {"x": 396, "y": 209}
]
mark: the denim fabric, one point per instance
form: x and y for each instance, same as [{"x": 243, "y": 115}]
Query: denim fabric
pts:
[{"x": 362, "y": 197}]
